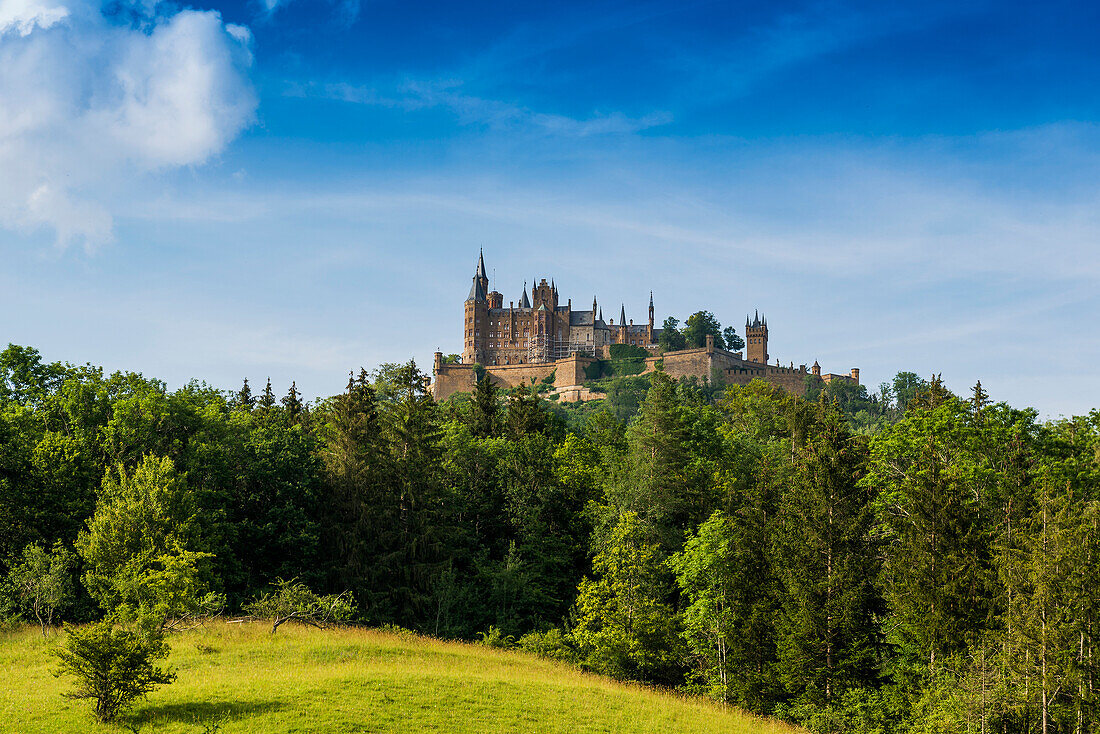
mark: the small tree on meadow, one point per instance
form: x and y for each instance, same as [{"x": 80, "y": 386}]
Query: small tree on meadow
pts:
[
  {"x": 113, "y": 667},
  {"x": 43, "y": 582},
  {"x": 294, "y": 601}
]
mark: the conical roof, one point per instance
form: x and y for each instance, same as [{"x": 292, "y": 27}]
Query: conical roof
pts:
[
  {"x": 524, "y": 301},
  {"x": 476, "y": 292},
  {"x": 481, "y": 264}
]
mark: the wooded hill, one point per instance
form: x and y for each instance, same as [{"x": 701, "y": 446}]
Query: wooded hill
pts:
[{"x": 916, "y": 562}]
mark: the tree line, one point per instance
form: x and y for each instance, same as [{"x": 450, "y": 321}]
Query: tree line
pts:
[{"x": 912, "y": 561}]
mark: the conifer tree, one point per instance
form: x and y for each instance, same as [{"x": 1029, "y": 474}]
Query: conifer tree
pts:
[
  {"x": 244, "y": 399},
  {"x": 292, "y": 403},
  {"x": 414, "y": 546},
  {"x": 355, "y": 468},
  {"x": 485, "y": 413},
  {"x": 827, "y": 565},
  {"x": 931, "y": 489},
  {"x": 267, "y": 400}
]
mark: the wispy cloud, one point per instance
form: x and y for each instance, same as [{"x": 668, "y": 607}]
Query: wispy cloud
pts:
[{"x": 473, "y": 110}]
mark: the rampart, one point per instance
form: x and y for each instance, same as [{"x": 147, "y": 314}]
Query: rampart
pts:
[
  {"x": 454, "y": 378},
  {"x": 707, "y": 362}
]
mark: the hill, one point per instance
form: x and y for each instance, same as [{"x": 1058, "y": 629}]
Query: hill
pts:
[{"x": 245, "y": 679}]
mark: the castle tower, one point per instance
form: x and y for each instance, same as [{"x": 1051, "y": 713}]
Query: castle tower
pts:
[
  {"x": 756, "y": 339},
  {"x": 476, "y": 317},
  {"x": 816, "y": 369}
]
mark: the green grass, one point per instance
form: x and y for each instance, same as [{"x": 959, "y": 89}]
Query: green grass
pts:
[{"x": 304, "y": 680}]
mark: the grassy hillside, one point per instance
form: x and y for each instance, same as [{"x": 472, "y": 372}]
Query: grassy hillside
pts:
[{"x": 304, "y": 680}]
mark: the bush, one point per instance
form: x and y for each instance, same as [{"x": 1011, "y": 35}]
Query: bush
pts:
[
  {"x": 293, "y": 601},
  {"x": 553, "y": 644},
  {"x": 494, "y": 638},
  {"x": 114, "y": 667}
]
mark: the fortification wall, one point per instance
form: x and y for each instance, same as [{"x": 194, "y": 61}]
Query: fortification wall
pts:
[
  {"x": 704, "y": 362},
  {"x": 454, "y": 378}
]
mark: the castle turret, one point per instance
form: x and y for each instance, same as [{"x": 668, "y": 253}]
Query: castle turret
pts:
[
  {"x": 477, "y": 315},
  {"x": 816, "y": 369},
  {"x": 756, "y": 339}
]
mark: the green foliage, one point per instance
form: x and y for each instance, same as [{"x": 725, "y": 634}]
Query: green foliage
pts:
[
  {"x": 733, "y": 342},
  {"x": 496, "y": 639},
  {"x": 42, "y": 582},
  {"x": 671, "y": 339},
  {"x": 113, "y": 667},
  {"x": 137, "y": 565},
  {"x": 699, "y": 326},
  {"x": 553, "y": 644},
  {"x": 623, "y": 628},
  {"x": 293, "y": 601}
]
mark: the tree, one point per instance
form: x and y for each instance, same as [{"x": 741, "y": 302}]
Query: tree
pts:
[
  {"x": 243, "y": 398},
  {"x": 698, "y": 326},
  {"x": 733, "y": 341},
  {"x": 932, "y": 486},
  {"x": 292, "y": 403},
  {"x": 43, "y": 582},
  {"x": 113, "y": 667},
  {"x": 671, "y": 338},
  {"x": 135, "y": 547},
  {"x": 827, "y": 565},
  {"x": 358, "y": 514},
  {"x": 293, "y": 601},
  {"x": 267, "y": 400},
  {"x": 721, "y": 588},
  {"x": 485, "y": 413},
  {"x": 624, "y": 628}
]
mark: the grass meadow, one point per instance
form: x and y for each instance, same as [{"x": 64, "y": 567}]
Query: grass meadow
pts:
[{"x": 240, "y": 678}]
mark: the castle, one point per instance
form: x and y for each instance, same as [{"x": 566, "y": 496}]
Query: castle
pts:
[
  {"x": 541, "y": 329},
  {"x": 541, "y": 339}
]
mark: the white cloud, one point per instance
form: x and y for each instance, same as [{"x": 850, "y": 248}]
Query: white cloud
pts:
[
  {"x": 23, "y": 16},
  {"x": 88, "y": 106}
]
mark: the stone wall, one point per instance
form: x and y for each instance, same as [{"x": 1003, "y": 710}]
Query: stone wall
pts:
[
  {"x": 704, "y": 362},
  {"x": 453, "y": 378}
]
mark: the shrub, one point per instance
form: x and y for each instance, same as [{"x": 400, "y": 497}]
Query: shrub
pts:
[
  {"x": 494, "y": 638},
  {"x": 553, "y": 644},
  {"x": 293, "y": 601},
  {"x": 113, "y": 667}
]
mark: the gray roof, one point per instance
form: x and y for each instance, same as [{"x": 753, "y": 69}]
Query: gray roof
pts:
[
  {"x": 481, "y": 265},
  {"x": 476, "y": 294},
  {"x": 600, "y": 324},
  {"x": 581, "y": 318},
  {"x": 524, "y": 302}
]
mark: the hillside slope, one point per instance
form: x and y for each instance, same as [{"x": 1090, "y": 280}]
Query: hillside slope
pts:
[{"x": 244, "y": 679}]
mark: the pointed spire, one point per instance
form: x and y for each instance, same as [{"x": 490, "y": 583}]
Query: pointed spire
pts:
[
  {"x": 523, "y": 301},
  {"x": 622, "y": 315},
  {"x": 601, "y": 314},
  {"x": 651, "y": 299},
  {"x": 481, "y": 264},
  {"x": 593, "y": 307}
]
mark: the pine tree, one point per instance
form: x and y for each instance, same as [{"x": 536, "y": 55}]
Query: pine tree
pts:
[
  {"x": 292, "y": 403},
  {"x": 931, "y": 488},
  {"x": 357, "y": 513},
  {"x": 485, "y": 412},
  {"x": 267, "y": 400},
  {"x": 827, "y": 564},
  {"x": 244, "y": 399}
]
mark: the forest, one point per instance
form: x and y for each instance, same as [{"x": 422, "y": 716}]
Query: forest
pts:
[{"x": 906, "y": 561}]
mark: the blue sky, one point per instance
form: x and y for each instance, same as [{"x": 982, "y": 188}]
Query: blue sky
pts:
[{"x": 296, "y": 188}]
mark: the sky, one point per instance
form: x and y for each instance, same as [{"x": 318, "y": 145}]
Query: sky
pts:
[{"x": 296, "y": 188}]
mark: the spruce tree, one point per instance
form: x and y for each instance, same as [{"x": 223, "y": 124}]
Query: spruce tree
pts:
[
  {"x": 267, "y": 400},
  {"x": 827, "y": 565},
  {"x": 485, "y": 413},
  {"x": 244, "y": 400},
  {"x": 292, "y": 403}
]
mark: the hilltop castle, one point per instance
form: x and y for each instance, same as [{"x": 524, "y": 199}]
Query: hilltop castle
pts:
[
  {"x": 540, "y": 338},
  {"x": 541, "y": 329}
]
